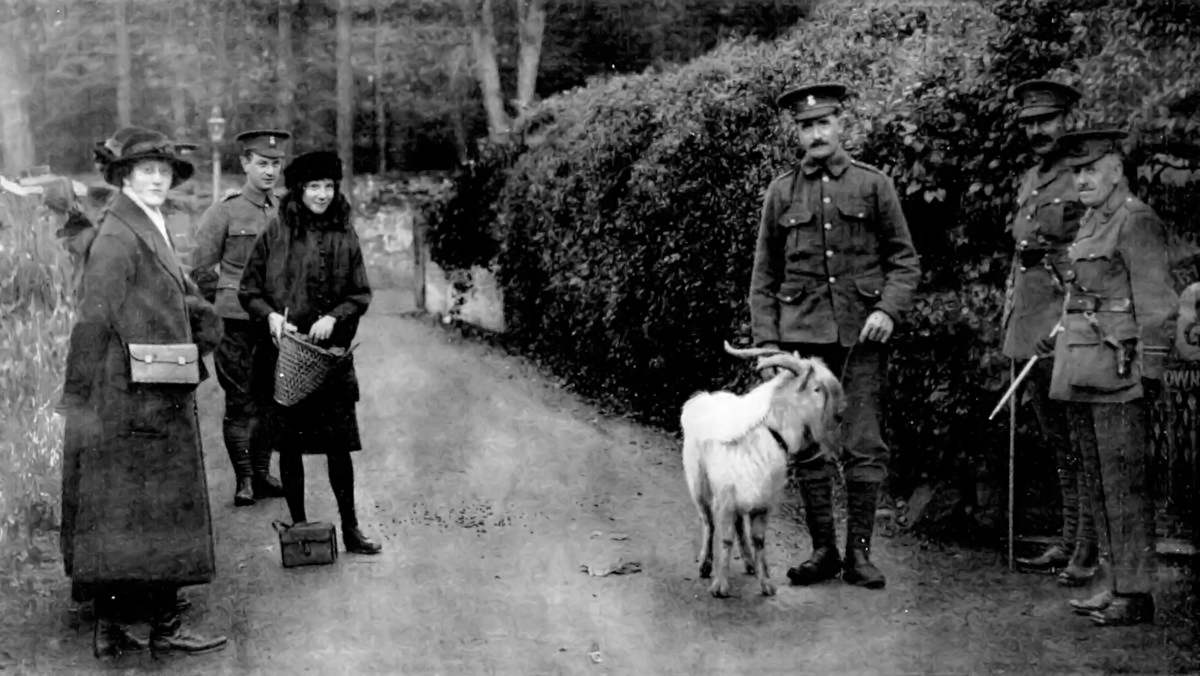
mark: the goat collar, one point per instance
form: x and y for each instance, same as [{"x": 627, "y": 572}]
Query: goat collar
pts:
[{"x": 778, "y": 438}]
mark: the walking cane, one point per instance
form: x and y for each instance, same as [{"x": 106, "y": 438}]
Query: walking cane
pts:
[{"x": 1012, "y": 454}]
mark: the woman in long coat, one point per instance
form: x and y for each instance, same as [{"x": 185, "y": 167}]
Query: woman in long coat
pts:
[
  {"x": 137, "y": 525},
  {"x": 308, "y": 266}
]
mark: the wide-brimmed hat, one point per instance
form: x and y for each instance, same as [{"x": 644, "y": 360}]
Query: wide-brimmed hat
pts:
[
  {"x": 145, "y": 144},
  {"x": 313, "y": 166}
]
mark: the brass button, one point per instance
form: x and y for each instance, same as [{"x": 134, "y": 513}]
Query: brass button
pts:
[
  {"x": 832, "y": 280},
  {"x": 826, "y": 200},
  {"x": 149, "y": 359},
  {"x": 181, "y": 361},
  {"x": 1035, "y": 192},
  {"x": 824, "y": 179},
  {"x": 828, "y": 253},
  {"x": 1022, "y": 268},
  {"x": 829, "y": 226}
]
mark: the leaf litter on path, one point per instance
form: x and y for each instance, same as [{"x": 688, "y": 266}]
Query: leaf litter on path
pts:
[{"x": 605, "y": 567}]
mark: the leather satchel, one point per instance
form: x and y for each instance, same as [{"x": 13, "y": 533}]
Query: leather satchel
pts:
[
  {"x": 307, "y": 544},
  {"x": 173, "y": 363}
]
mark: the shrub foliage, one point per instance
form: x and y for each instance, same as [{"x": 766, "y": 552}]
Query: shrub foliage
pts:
[{"x": 622, "y": 226}]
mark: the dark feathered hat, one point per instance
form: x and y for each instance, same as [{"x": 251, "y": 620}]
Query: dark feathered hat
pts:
[
  {"x": 145, "y": 144},
  {"x": 312, "y": 166}
]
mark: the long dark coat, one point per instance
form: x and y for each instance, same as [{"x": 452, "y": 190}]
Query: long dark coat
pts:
[
  {"x": 135, "y": 494},
  {"x": 310, "y": 266}
]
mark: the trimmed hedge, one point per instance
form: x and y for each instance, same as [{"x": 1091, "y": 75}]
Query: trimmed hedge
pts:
[{"x": 622, "y": 229}]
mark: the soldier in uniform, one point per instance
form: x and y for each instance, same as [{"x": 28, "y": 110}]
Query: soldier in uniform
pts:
[
  {"x": 224, "y": 240},
  {"x": 1044, "y": 225},
  {"x": 834, "y": 269},
  {"x": 1117, "y": 322}
]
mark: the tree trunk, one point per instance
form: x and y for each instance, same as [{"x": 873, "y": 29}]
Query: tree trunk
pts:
[
  {"x": 285, "y": 68},
  {"x": 124, "y": 67},
  {"x": 531, "y": 18},
  {"x": 345, "y": 92},
  {"x": 16, "y": 133},
  {"x": 380, "y": 105},
  {"x": 178, "y": 69},
  {"x": 487, "y": 70}
]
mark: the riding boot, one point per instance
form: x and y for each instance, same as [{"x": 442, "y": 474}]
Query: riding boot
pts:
[
  {"x": 111, "y": 637},
  {"x": 341, "y": 479},
  {"x": 265, "y": 485},
  {"x": 818, "y": 513},
  {"x": 1081, "y": 569},
  {"x": 237, "y": 443},
  {"x": 857, "y": 568}
]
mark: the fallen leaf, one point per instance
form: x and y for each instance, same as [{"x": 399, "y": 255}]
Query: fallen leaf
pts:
[{"x": 618, "y": 567}]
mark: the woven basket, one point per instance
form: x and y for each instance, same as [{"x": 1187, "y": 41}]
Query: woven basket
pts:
[{"x": 302, "y": 368}]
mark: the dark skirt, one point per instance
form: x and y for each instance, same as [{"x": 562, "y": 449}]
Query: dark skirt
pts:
[
  {"x": 315, "y": 426},
  {"x": 324, "y": 421}
]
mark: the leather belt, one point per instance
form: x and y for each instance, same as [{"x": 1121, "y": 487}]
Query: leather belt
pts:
[{"x": 1098, "y": 304}]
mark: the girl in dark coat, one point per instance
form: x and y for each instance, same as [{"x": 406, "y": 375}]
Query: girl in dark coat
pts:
[
  {"x": 308, "y": 265},
  {"x": 136, "y": 522}
]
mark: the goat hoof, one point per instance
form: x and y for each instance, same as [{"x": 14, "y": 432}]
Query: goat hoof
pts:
[
  {"x": 750, "y": 570},
  {"x": 768, "y": 589},
  {"x": 705, "y": 569},
  {"x": 719, "y": 588}
]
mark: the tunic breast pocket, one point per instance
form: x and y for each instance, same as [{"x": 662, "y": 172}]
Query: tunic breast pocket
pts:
[
  {"x": 854, "y": 214},
  {"x": 238, "y": 245},
  {"x": 803, "y": 240}
]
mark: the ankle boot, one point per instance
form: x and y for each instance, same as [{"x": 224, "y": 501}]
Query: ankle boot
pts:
[
  {"x": 857, "y": 569},
  {"x": 818, "y": 512},
  {"x": 1054, "y": 556},
  {"x": 113, "y": 639},
  {"x": 266, "y": 486},
  {"x": 167, "y": 634},
  {"x": 357, "y": 543},
  {"x": 244, "y": 494},
  {"x": 1081, "y": 568},
  {"x": 1099, "y": 601},
  {"x": 1125, "y": 609}
]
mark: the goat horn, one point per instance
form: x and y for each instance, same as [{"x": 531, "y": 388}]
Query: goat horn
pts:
[
  {"x": 751, "y": 352},
  {"x": 784, "y": 360}
]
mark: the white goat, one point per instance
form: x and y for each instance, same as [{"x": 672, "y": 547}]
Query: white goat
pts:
[{"x": 736, "y": 449}]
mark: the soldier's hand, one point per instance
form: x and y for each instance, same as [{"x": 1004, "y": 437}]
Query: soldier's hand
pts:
[
  {"x": 1045, "y": 346},
  {"x": 321, "y": 329},
  {"x": 878, "y": 327}
]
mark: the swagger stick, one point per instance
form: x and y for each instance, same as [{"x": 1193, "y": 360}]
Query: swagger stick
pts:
[
  {"x": 1012, "y": 454},
  {"x": 1016, "y": 382}
]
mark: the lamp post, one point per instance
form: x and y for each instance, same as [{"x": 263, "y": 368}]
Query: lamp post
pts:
[{"x": 216, "y": 132}]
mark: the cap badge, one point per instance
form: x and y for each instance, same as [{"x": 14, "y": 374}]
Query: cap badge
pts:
[
  {"x": 811, "y": 101},
  {"x": 271, "y": 141}
]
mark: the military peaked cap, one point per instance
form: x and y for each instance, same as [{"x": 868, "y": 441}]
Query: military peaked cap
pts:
[
  {"x": 1044, "y": 97},
  {"x": 266, "y": 142},
  {"x": 1081, "y": 148},
  {"x": 813, "y": 101}
]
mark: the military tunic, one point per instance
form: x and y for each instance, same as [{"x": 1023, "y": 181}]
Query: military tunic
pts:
[
  {"x": 833, "y": 246},
  {"x": 1044, "y": 225},
  {"x": 224, "y": 239},
  {"x": 1120, "y": 306}
]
